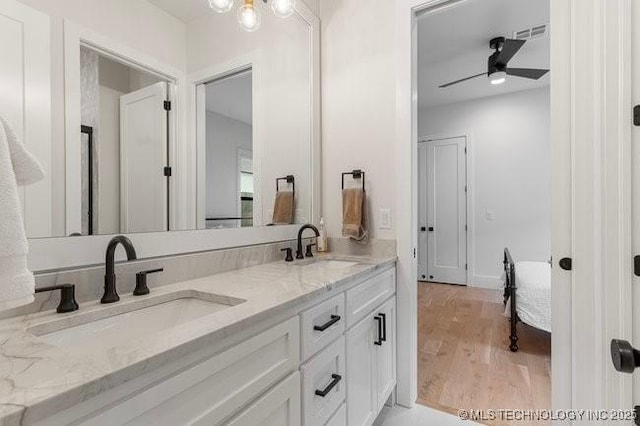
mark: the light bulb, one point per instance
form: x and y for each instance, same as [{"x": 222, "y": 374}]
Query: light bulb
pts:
[
  {"x": 249, "y": 17},
  {"x": 221, "y": 6},
  {"x": 498, "y": 77},
  {"x": 283, "y": 8}
]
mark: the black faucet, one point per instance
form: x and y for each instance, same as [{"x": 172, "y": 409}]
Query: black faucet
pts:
[
  {"x": 299, "y": 254},
  {"x": 110, "y": 294}
]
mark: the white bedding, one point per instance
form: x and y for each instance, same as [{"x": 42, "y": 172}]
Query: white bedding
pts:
[{"x": 533, "y": 295}]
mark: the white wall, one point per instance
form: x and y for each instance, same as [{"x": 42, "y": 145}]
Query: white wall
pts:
[
  {"x": 225, "y": 136},
  {"x": 282, "y": 101},
  {"x": 509, "y": 175},
  {"x": 135, "y": 23},
  {"x": 358, "y": 105}
]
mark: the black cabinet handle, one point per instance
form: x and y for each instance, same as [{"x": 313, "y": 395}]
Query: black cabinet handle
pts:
[
  {"x": 379, "y": 321},
  {"x": 334, "y": 319},
  {"x": 336, "y": 379},
  {"x": 383, "y": 337}
]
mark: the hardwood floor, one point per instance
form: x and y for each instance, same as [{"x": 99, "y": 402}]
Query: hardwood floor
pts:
[{"x": 464, "y": 359}]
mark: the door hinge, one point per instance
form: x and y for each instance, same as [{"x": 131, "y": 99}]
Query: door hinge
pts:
[
  {"x": 167, "y": 171},
  {"x": 466, "y": 267},
  {"x": 414, "y": 253},
  {"x": 636, "y": 115},
  {"x": 167, "y": 105},
  {"x": 466, "y": 228},
  {"x": 465, "y": 188},
  {"x": 465, "y": 149}
]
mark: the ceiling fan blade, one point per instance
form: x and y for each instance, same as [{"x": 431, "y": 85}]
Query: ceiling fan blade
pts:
[
  {"x": 509, "y": 49},
  {"x": 461, "y": 80},
  {"x": 531, "y": 73}
]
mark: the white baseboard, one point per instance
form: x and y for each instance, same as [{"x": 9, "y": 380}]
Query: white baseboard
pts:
[{"x": 485, "y": 281}]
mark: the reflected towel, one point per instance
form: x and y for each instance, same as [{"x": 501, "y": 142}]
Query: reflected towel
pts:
[
  {"x": 283, "y": 208},
  {"x": 354, "y": 214},
  {"x": 17, "y": 167}
]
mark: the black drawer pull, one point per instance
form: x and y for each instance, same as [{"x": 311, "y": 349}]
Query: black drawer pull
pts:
[
  {"x": 334, "y": 319},
  {"x": 379, "y": 321},
  {"x": 336, "y": 379},
  {"x": 383, "y": 337}
]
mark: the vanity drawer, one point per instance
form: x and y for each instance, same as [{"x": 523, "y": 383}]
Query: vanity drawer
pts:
[
  {"x": 321, "y": 325},
  {"x": 323, "y": 384},
  {"x": 340, "y": 417},
  {"x": 210, "y": 392},
  {"x": 365, "y": 297}
]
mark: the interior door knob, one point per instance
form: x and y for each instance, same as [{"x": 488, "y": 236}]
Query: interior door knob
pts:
[
  {"x": 431, "y": 229},
  {"x": 625, "y": 358}
]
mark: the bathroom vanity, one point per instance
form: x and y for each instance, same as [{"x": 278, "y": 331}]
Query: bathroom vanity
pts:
[{"x": 306, "y": 343}]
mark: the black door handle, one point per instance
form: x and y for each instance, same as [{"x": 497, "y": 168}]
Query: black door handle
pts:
[
  {"x": 336, "y": 379},
  {"x": 379, "y": 321},
  {"x": 431, "y": 229},
  {"x": 423, "y": 229},
  {"x": 334, "y": 319},
  {"x": 625, "y": 358}
]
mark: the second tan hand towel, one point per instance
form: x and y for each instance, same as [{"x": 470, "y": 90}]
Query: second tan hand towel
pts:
[
  {"x": 354, "y": 214},
  {"x": 283, "y": 208}
]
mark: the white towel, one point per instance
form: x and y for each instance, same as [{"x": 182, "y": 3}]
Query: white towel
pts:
[{"x": 17, "y": 167}]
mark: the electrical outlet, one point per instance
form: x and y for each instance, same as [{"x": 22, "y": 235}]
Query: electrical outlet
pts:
[{"x": 385, "y": 219}]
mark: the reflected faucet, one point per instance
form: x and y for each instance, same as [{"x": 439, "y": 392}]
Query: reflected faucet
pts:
[
  {"x": 299, "y": 254},
  {"x": 110, "y": 294}
]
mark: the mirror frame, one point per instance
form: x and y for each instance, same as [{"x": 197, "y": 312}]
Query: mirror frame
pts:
[{"x": 54, "y": 253}]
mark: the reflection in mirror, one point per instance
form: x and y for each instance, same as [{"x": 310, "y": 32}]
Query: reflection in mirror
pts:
[
  {"x": 124, "y": 148},
  {"x": 229, "y": 151},
  {"x": 156, "y": 115}
]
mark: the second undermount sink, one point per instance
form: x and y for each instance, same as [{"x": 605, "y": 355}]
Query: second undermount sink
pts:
[
  {"x": 327, "y": 263},
  {"x": 119, "y": 324}
]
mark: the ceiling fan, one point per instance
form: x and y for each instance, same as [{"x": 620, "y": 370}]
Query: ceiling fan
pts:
[{"x": 497, "y": 69}]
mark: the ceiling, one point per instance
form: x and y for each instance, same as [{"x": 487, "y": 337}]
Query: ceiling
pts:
[
  {"x": 453, "y": 43},
  {"x": 184, "y": 10},
  {"x": 231, "y": 97}
]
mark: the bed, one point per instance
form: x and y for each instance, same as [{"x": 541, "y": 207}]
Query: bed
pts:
[{"x": 527, "y": 295}]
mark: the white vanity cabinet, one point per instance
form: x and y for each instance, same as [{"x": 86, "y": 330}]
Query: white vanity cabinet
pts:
[{"x": 331, "y": 363}]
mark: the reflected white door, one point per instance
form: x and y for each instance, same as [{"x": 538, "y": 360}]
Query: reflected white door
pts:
[
  {"x": 143, "y": 156},
  {"x": 444, "y": 186}
]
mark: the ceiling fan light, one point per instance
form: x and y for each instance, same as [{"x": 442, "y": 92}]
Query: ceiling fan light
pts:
[
  {"x": 283, "y": 8},
  {"x": 498, "y": 77},
  {"x": 221, "y": 6}
]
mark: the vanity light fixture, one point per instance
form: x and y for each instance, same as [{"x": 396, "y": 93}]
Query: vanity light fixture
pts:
[{"x": 248, "y": 13}]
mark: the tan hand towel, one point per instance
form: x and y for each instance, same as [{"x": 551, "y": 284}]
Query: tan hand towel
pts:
[
  {"x": 283, "y": 208},
  {"x": 354, "y": 214}
]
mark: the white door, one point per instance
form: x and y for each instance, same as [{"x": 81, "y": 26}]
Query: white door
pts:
[
  {"x": 25, "y": 93},
  {"x": 444, "y": 225},
  {"x": 635, "y": 217},
  {"x": 361, "y": 376},
  {"x": 143, "y": 157}
]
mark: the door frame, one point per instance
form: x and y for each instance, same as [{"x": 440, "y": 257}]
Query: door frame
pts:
[
  {"x": 468, "y": 163},
  {"x": 590, "y": 107},
  {"x": 76, "y": 36}
]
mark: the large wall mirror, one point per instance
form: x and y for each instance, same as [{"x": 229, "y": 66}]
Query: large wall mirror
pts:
[{"x": 163, "y": 115}]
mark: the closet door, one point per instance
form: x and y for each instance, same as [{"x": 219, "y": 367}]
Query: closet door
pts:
[
  {"x": 25, "y": 91},
  {"x": 361, "y": 374}
]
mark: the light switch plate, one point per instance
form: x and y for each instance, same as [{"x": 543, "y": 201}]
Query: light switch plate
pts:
[{"x": 385, "y": 219}]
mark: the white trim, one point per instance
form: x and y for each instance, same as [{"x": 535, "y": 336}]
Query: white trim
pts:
[
  {"x": 76, "y": 36},
  {"x": 485, "y": 281}
]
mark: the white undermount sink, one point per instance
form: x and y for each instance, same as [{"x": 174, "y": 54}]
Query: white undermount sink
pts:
[
  {"x": 327, "y": 263},
  {"x": 120, "y": 323}
]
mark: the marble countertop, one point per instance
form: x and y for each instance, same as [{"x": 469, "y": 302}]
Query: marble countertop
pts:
[{"x": 38, "y": 379}]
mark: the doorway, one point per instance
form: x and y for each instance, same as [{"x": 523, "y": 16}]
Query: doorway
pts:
[
  {"x": 484, "y": 206},
  {"x": 442, "y": 194}
]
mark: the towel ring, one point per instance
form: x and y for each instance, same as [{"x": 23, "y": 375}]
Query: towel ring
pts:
[
  {"x": 356, "y": 174},
  {"x": 290, "y": 179}
]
